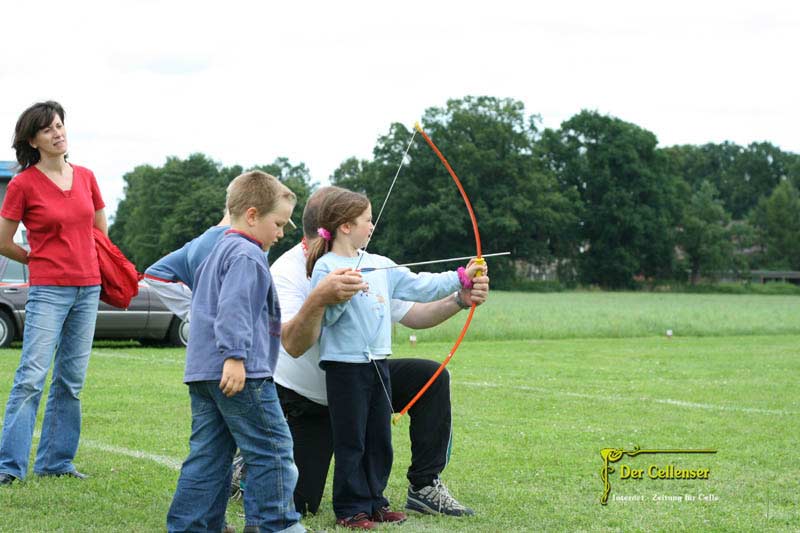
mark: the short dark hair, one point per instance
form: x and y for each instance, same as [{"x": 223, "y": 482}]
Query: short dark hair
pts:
[{"x": 36, "y": 117}]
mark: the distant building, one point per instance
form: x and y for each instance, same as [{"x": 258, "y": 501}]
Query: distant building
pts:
[
  {"x": 765, "y": 276},
  {"x": 6, "y": 173}
]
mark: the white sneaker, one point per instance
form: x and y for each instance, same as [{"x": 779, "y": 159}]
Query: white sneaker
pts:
[{"x": 435, "y": 499}]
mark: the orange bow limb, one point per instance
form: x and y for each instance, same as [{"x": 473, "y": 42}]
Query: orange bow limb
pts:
[{"x": 396, "y": 418}]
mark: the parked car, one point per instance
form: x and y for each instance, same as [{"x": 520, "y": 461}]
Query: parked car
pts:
[{"x": 146, "y": 319}]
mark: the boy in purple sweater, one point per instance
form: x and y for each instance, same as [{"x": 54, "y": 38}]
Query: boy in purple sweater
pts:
[{"x": 233, "y": 348}]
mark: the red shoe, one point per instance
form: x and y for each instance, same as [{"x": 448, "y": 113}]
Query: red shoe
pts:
[
  {"x": 387, "y": 515},
  {"x": 359, "y": 521}
]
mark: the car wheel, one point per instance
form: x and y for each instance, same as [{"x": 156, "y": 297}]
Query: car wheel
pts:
[
  {"x": 178, "y": 332},
  {"x": 7, "y": 330}
]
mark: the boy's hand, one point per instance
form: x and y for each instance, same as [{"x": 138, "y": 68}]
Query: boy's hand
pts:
[{"x": 233, "y": 376}]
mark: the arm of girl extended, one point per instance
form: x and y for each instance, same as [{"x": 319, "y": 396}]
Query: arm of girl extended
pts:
[{"x": 425, "y": 286}]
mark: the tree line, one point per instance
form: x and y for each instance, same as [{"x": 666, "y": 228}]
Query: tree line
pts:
[{"x": 595, "y": 200}]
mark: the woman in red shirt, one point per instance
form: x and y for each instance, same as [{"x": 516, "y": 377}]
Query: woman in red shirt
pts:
[{"x": 59, "y": 203}]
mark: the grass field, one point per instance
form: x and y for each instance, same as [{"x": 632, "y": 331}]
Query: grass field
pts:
[{"x": 542, "y": 384}]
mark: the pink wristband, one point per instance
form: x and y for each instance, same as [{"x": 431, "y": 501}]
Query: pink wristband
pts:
[{"x": 463, "y": 278}]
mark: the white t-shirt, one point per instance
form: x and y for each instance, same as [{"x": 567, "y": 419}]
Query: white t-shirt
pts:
[{"x": 303, "y": 374}]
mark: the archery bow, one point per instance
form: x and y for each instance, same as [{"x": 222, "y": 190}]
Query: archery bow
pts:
[{"x": 396, "y": 418}]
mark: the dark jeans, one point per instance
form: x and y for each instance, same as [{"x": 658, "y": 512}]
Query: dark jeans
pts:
[
  {"x": 430, "y": 429},
  {"x": 362, "y": 435}
]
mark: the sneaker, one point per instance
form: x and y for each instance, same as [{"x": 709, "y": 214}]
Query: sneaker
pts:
[
  {"x": 435, "y": 499},
  {"x": 359, "y": 521},
  {"x": 238, "y": 478},
  {"x": 73, "y": 474},
  {"x": 387, "y": 515}
]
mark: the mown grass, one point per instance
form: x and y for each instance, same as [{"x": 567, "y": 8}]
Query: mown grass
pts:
[
  {"x": 569, "y": 315},
  {"x": 530, "y": 418}
]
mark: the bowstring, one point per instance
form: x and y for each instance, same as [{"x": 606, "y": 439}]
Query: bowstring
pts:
[
  {"x": 386, "y": 199},
  {"x": 385, "y": 390},
  {"x": 363, "y": 250}
]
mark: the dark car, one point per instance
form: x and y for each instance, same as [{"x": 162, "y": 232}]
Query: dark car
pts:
[{"x": 146, "y": 319}]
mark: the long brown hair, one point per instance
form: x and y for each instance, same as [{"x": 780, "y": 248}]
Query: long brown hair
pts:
[
  {"x": 33, "y": 119},
  {"x": 338, "y": 206}
]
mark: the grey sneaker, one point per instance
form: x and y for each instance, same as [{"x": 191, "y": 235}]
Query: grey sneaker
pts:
[
  {"x": 435, "y": 499},
  {"x": 238, "y": 478}
]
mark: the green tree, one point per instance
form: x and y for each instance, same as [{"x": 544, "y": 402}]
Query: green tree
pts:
[
  {"x": 142, "y": 224},
  {"x": 777, "y": 223},
  {"x": 488, "y": 142},
  {"x": 165, "y": 207},
  {"x": 703, "y": 234},
  {"x": 630, "y": 201},
  {"x": 742, "y": 175}
]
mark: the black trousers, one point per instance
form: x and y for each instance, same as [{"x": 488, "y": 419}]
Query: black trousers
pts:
[
  {"x": 430, "y": 429},
  {"x": 362, "y": 435}
]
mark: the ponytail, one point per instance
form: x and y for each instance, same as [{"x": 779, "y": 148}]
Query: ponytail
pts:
[{"x": 316, "y": 249}]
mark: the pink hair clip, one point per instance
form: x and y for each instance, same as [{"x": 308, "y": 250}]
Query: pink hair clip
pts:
[{"x": 325, "y": 234}]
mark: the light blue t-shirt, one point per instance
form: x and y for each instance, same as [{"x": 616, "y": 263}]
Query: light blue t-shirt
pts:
[{"x": 361, "y": 329}]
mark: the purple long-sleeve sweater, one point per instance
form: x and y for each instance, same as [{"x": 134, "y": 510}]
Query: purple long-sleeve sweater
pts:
[{"x": 235, "y": 312}]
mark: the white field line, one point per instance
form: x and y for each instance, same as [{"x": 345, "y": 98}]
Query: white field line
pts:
[
  {"x": 668, "y": 401},
  {"x": 122, "y": 355},
  {"x": 170, "y": 462},
  {"x": 163, "y": 460}
]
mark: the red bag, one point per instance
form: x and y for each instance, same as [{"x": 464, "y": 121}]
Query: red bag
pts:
[{"x": 119, "y": 280}]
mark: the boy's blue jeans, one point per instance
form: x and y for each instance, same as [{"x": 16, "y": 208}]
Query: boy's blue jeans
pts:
[
  {"x": 59, "y": 321},
  {"x": 253, "y": 421}
]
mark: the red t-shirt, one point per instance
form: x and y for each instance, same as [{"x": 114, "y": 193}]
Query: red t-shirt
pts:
[{"x": 59, "y": 225}]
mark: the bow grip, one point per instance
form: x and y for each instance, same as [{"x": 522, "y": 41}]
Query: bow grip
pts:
[{"x": 480, "y": 261}]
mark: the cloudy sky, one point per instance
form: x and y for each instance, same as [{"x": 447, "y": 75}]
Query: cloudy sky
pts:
[{"x": 245, "y": 82}]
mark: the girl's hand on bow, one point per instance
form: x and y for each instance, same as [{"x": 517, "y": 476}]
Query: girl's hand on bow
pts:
[{"x": 474, "y": 267}]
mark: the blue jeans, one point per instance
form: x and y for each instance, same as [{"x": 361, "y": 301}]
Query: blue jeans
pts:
[
  {"x": 253, "y": 421},
  {"x": 59, "y": 321}
]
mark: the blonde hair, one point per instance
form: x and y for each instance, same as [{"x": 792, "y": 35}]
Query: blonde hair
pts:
[{"x": 256, "y": 189}]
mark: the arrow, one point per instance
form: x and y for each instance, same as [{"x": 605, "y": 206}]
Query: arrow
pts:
[{"x": 370, "y": 269}]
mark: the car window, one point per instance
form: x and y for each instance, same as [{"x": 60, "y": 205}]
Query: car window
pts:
[{"x": 14, "y": 273}]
